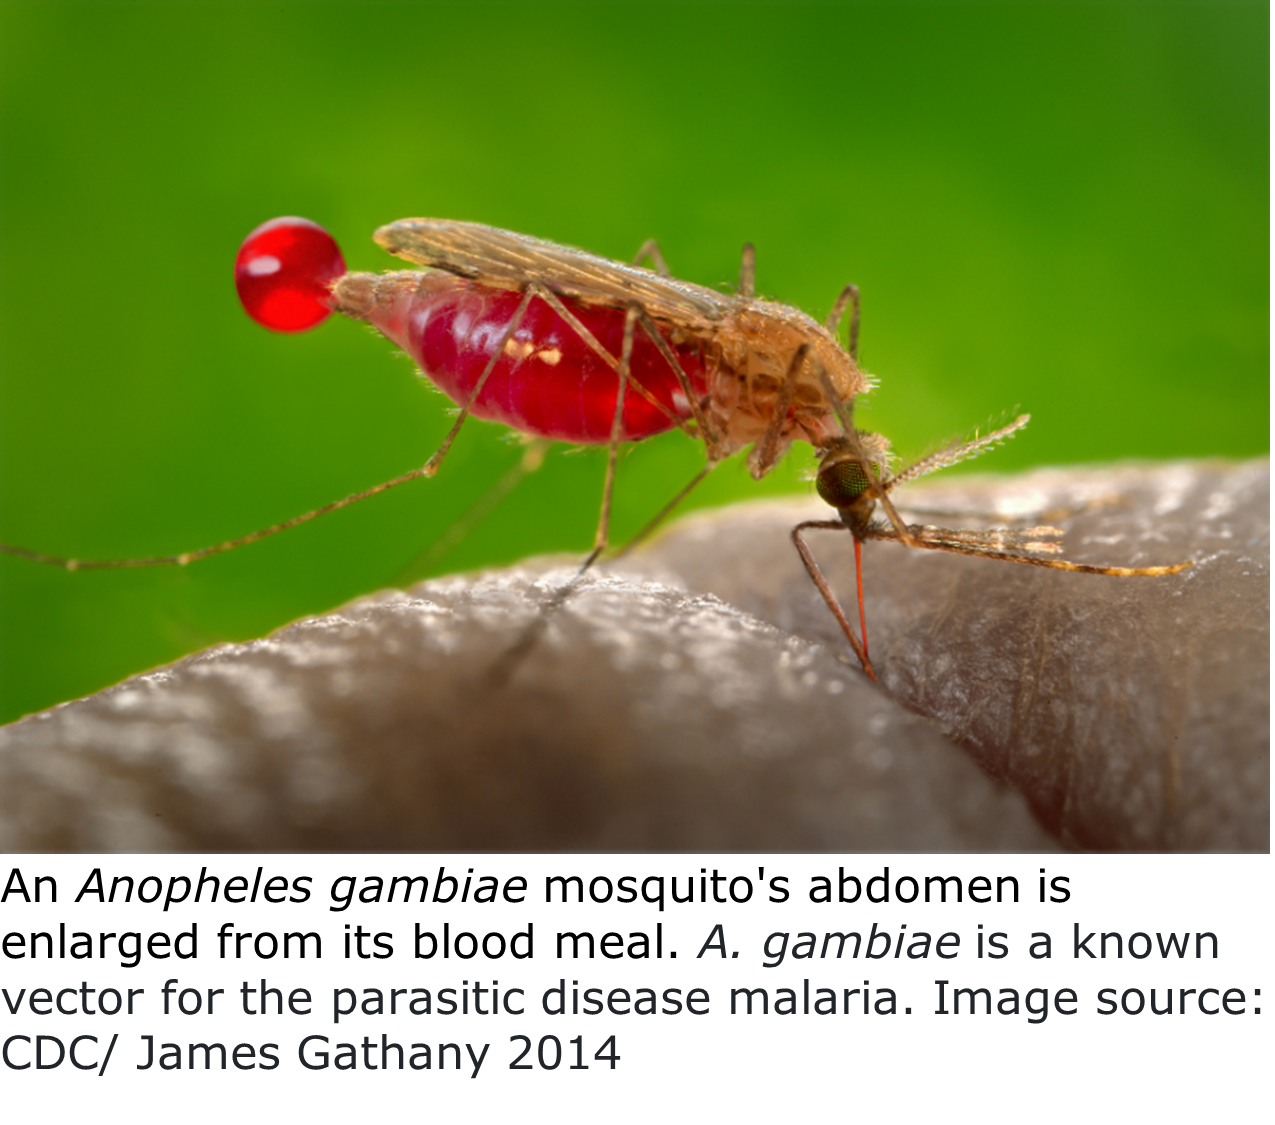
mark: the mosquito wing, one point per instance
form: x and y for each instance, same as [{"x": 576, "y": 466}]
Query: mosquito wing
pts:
[{"x": 509, "y": 261}]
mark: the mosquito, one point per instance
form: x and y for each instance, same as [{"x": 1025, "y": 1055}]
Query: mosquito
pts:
[{"x": 564, "y": 345}]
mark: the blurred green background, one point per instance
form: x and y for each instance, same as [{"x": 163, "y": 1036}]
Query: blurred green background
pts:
[{"x": 1058, "y": 206}]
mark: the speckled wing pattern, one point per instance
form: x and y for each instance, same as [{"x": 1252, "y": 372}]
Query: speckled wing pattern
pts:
[{"x": 507, "y": 260}]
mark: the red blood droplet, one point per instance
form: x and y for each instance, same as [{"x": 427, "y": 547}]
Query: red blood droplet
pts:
[{"x": 282, "y": 274}]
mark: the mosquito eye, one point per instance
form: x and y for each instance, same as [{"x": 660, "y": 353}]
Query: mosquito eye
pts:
[
  {"x": 841, "y": 483},
  {"x": 282, "y": 274}
]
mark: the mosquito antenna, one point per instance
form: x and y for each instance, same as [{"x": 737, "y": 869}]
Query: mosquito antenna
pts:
[{"x": 955, "y": 454}]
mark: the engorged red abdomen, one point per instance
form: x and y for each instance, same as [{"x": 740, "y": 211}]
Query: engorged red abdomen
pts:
[{"x": 549, "y": 382}]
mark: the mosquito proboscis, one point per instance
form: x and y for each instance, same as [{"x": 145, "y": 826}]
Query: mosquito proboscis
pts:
[{"x": 561, "y": 344}]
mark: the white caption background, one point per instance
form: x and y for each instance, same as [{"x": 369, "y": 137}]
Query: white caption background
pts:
[{"x": 1103, "y": 1050}]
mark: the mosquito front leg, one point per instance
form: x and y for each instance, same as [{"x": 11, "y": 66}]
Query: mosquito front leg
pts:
[
  {"x": 821, "y": 584},
  {"x": 1003, "y": 544},
  {"x": 766, "y": 452}
]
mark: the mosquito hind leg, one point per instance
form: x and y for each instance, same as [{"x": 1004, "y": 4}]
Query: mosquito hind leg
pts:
[{"x": 573, "y": 322}]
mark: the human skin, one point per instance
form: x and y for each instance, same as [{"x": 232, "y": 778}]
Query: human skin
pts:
[{"x": 698, "y": 695}]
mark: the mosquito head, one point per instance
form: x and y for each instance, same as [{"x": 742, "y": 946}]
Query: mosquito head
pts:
[{"x": 841, "y": 480}]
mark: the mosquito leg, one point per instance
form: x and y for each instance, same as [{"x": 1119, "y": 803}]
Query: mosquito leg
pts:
[
  {"x": 617, "y": 430},
  {"x": 508, "y": 663},
  {"x": 531, "y": 460},
  {"x": 748, "y": 271},
  {"x": 229, "y": 545},
  {"x": 427, "y": 470},
  {"x": 651, "y": 249},
  {"x": 431, "y": 466},
  {"x": 766, "y": 451},
  {"x": 662, "y": 345},
  {"x": 664, "y": 512},
  {"x": 551, "y": 299},
  {"x": 816, "y": 576},
  {"x": 849, "y": 297}
]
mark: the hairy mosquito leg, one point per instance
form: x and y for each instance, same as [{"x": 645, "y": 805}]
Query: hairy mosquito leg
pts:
[
  {"x": 766, "y": 451},
  {"x": 651, "y": 249},
  {"x": 664, "y": 512},
  {"x": 748, "y": 271},
  {"x": 821, "y": 583},
  {"x": 849, "y": 297},
  {"x": 845, "y": 415}
]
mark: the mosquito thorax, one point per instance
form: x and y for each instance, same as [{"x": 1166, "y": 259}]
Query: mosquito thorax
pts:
[{"x": 283, "y": 272}]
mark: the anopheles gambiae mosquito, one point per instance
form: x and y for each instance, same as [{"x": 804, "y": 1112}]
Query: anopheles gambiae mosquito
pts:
[{"x": 561, "y": 344}]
